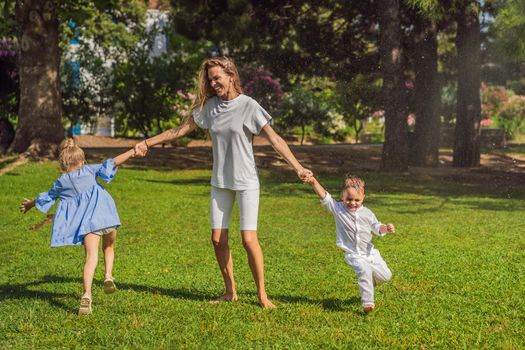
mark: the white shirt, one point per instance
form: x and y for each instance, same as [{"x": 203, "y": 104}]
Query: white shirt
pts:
[
  {"x": 353, "y": 229},
  {"x": 232, "y": 125}
]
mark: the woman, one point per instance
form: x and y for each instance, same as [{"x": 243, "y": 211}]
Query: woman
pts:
[{"x": 232, "y": 119}]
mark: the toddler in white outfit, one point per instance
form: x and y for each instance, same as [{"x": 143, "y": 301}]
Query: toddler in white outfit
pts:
[{"x": 354, "y": 227}]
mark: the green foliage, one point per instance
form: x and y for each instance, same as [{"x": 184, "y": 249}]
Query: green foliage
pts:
[
  {"x": 430, "y": 8},
  {"x": 456, "y": 284},
  {"x": 448, "y": 104},
  {"x": 302, "y": 106},
  {"x": 86, "y": 88},
  {"x": 357, "y": 99},
  {"x": 147, "y": 87},
  {"x": 109, "y": 25},
  {"x": 7, "y": 20},
  {"x": 510, "y": 27},
  {"x": 504, "y": 108}
]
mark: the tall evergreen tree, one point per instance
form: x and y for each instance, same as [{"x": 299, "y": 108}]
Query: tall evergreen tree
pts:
[
  {"x": 427, "y": 92},
  {"x": 468, "y": 116},
  {"x": 395, "y": 148}
]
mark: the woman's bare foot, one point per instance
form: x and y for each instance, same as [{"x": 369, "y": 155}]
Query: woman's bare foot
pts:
[
  {"x": 368, "y": 308},
  {"x": 226, "y": 297},
  {"x": 266, "y": 304}
]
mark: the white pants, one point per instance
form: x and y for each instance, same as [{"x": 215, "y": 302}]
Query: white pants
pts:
[
  {"x": 221, "y": 205},
  {"x": 371, "y": 271}
]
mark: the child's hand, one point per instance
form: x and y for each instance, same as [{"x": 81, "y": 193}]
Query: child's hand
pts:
[
  {"x": 390, "y": 228},
  {"x": 304, "y": 175},
  {"x": 26, "y": 205},
  {"x": 309, "y": 180},
  {"x": 140, "y": 149}
]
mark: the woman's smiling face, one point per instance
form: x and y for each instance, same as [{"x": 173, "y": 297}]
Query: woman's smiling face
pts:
[{"x": 220, "y": 81}]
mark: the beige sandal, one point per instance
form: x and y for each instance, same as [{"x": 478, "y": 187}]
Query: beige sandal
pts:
[
  {"x": 109, "y": 286},
  {"x": 85, "y": 306}
]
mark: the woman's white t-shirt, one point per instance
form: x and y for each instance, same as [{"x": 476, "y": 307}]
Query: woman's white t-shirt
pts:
[{"x": 232, "y": 125}]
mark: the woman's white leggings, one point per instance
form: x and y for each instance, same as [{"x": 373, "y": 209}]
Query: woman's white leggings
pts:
[{"x": 221, "y": 205}]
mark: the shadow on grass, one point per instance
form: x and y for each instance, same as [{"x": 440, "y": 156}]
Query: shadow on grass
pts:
[
  {"x": 24, "y": 291},
  {"x": 196, "y": 181},
  {"x": 329, "y": 304},
  {"x": 27, "y": 291}
]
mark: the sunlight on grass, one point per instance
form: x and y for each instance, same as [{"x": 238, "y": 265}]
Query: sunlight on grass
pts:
[{"x": 457, "y": 259}]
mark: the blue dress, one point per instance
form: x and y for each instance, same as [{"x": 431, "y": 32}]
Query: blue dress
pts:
[{"x": 84, "y": 206}]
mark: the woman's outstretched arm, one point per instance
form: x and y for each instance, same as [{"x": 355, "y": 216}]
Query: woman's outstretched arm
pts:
[
  {"x": 185, "y": 128},
  {"x": 280, "y": 146}
]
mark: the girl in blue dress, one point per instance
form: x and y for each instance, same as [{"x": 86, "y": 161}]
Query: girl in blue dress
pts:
[{"x": 85, "y": 212}]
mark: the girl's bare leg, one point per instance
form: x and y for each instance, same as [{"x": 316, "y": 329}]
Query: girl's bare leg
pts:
[
  {"x": 91, "y": 251},
  {"x": 219, "y": 238},
  {"x": 108, "y": 246},
  {"x": 256, "y": 262}
]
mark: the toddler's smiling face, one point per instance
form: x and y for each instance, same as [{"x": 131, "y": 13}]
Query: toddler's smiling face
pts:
[{"x": 352, "y": 198}]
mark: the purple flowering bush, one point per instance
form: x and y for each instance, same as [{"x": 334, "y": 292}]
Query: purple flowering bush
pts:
[
  {"x": 8, "y": 70},
  {"x": 258, "y": 83}
]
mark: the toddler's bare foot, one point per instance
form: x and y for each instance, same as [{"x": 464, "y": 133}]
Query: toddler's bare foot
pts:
[
  {"x": 266, "y": 304},
  {"x": 225, "y": 297},
  {"x": 368, "y": 308}
]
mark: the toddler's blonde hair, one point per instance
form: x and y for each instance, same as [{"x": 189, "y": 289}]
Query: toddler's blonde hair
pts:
[
  {"x": 71, "y": 155},
  {"x": 354, "y": 182}
]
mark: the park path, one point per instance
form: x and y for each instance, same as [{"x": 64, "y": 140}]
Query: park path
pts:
[
  {"x": 11, "y": 163},
  {"x": 497, "y": 166}
]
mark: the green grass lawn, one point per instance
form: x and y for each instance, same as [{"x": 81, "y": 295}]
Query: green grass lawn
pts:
[{"x": 458, "y": 259}]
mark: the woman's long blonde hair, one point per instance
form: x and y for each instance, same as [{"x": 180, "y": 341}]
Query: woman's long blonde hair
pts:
[
  {"x": 204, "y": 89},
  {"x": 71, "y": 155}
]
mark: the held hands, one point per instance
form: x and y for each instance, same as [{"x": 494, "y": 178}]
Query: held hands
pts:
[
  {"x": 306, "y": 175},
  {"x": 141, "y": 149},
  {"x": 26, "y": 205}
]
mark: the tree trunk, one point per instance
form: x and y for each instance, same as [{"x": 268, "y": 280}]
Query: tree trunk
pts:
[
  {"x": 7, "y": 134},
  {"x": 39, "y": 128},
  {"x": 303, "y": 126},
  {"x": 467, "y": 132},
  {"x": 427, "y": 93},
  {"x": 395, "y": 148}
]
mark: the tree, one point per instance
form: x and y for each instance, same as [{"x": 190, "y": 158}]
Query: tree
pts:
[
  {"x": 468, "y": 117},
  {"x": 9, "y": 89},
  {"x": 395, "y": 148},
  {"x": 510, "y": 28},
  {"x": 427, "y": 92},
  {"x": 357, "y": 99},
  {"x": 300, "y": 108},
  {"x": 147, "y": 87},
  {"x": 43, "y": 34},
  {"x": 39, "y": 123}
]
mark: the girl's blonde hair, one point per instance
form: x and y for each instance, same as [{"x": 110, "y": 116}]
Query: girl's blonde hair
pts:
[
  {"x": 71, "y": 155},
  {"x": 354, "y": 182},
  {"x": 204, "y": 89}
]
